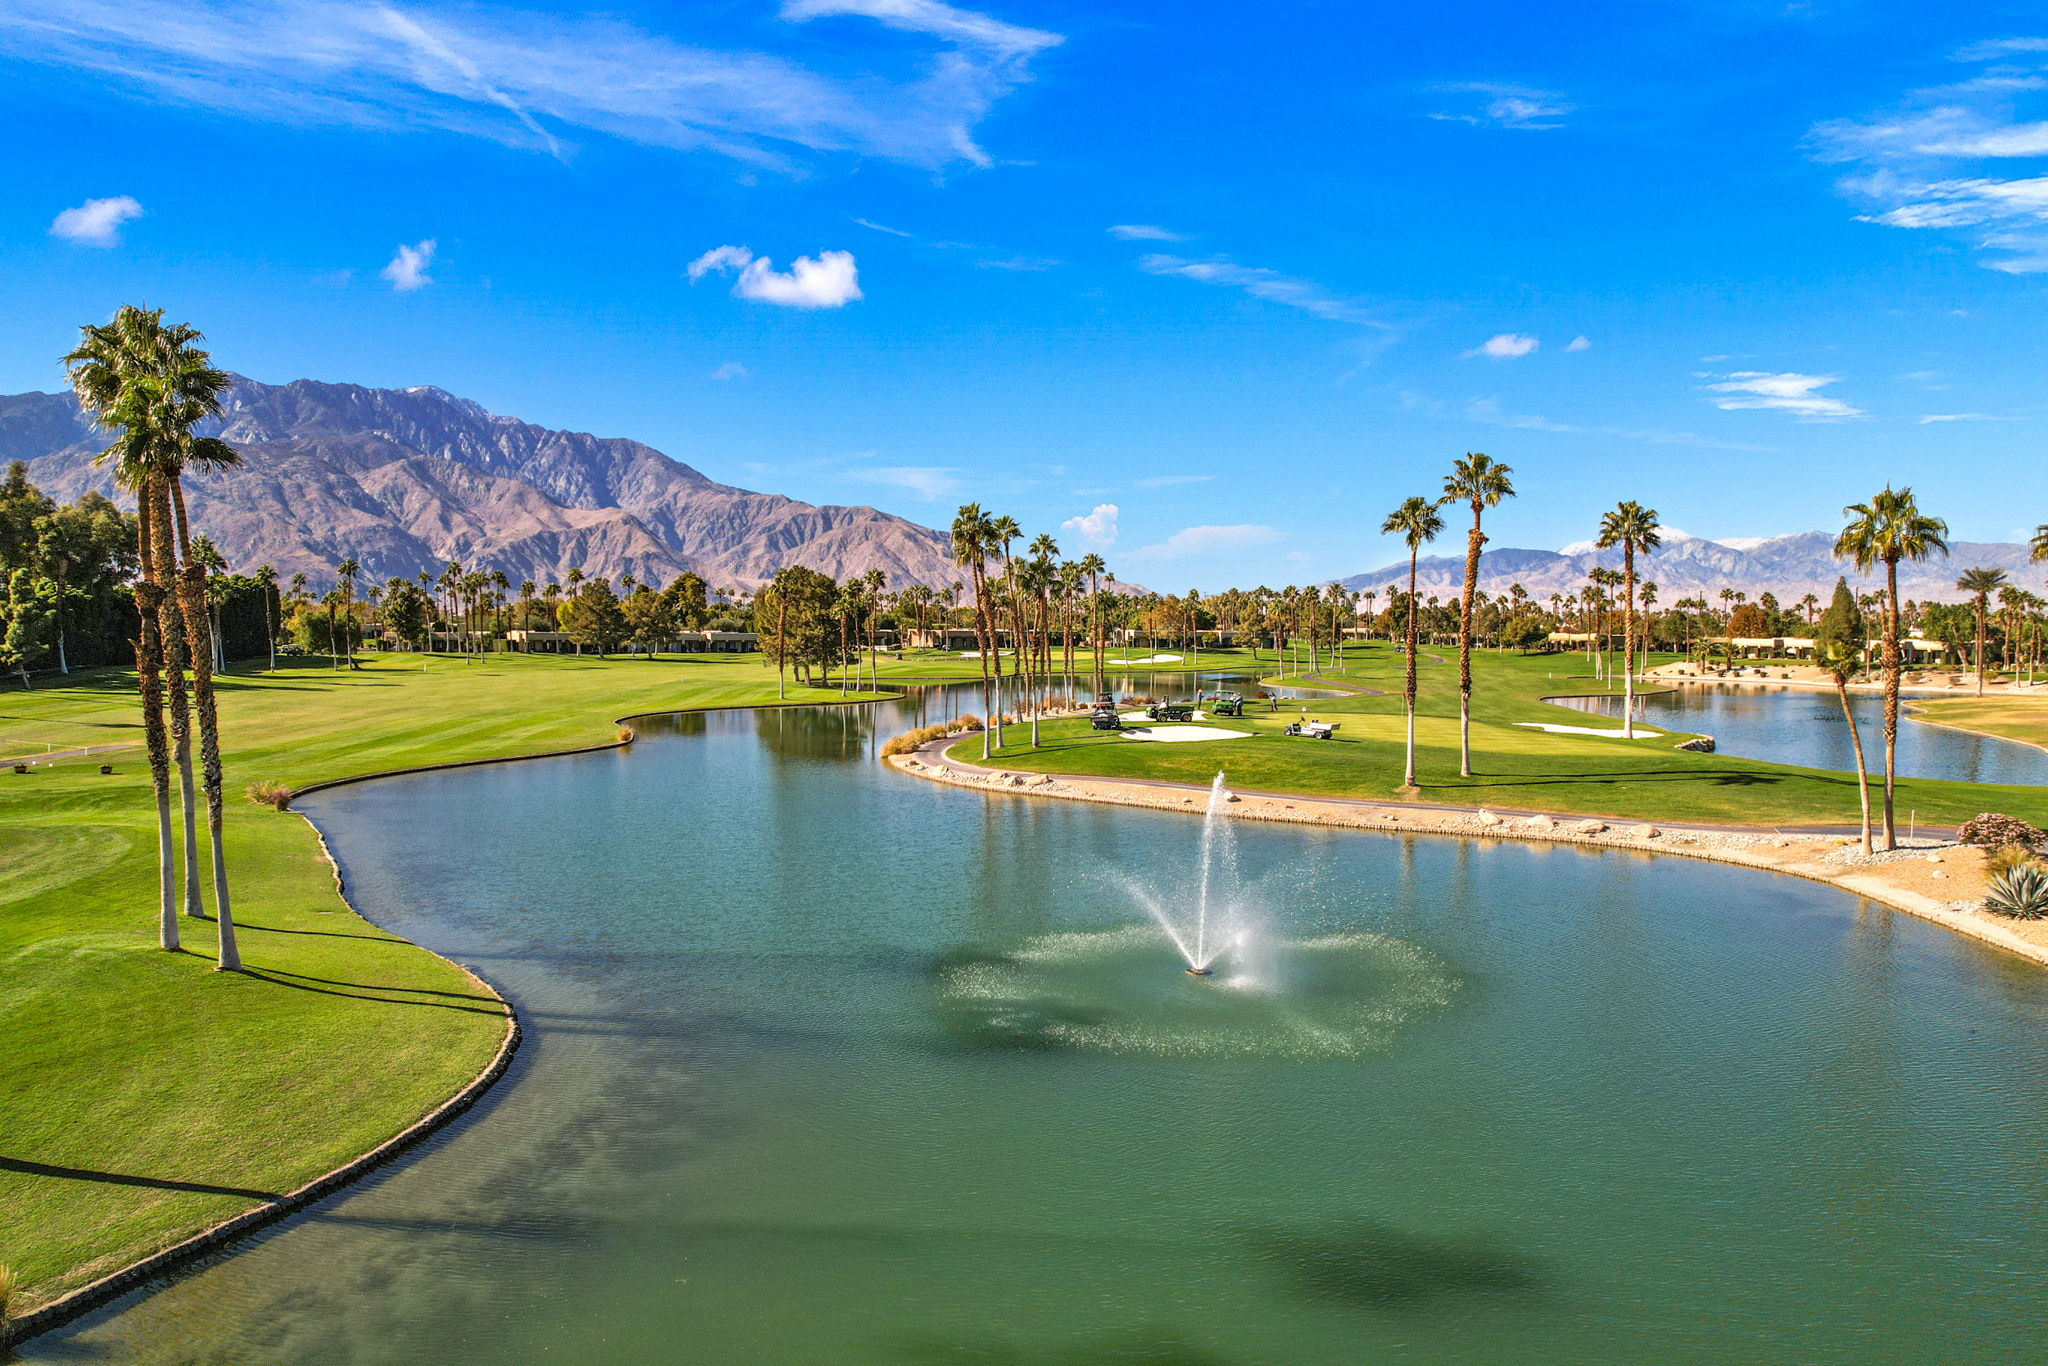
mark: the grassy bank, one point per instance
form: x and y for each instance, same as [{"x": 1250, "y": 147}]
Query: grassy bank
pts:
[
  {"x": 150, "y": 1096},
  {"x": 2010, "y": 718},
  {"x": 1515, "y": 767}
]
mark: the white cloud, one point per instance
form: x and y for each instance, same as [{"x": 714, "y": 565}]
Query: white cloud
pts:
[
  {"x": 527, "y": 77},
  {"x": 732, "y": 369},
  {"x": 1096, "y": 529},
  {"x": 1506, "y": 106},
  {"x": 1964, "y": 417},
  {"x": 1489, "y": 411},
  {"x": 1505, "y": 346},
  {"x": 1579, "y": 343},
  {"x": 1023, "y": 264},
  {"x": 1143, "y": 232},
  {"x": 882, "y": 227},
  {"x": 1208, "y": 540},
  {"x": 1784, "y": 393},
  {"x": 1166, "y": 481},
  {"x": 929, "y": 483},
  {"x": 408, "y": 269},
  {"x": 1934, "y": 162},
  {"x": 719, "y": 258},
  {"x": 96, "y": 222},
  {"x": 830, "y": 281},
  {"x": 1261, "y": 283}
]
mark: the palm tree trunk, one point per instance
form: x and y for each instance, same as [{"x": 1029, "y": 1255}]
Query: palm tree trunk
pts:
[
  {"x": 1408, "y": 771},
  {"x": 199, "y": 638},
  {"x": 1472, "y": 544},
  {"x": 1628, "y": 641},
  {"x": 1856, "y": 743},
  {"x": 1891, "y": 700},
  {"x": 170, "y": 631},
  {"x": 149, "y": 679}
]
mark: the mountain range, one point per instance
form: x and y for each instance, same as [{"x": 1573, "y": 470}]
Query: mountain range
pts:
[
  {"x": 406, "y": 480},
  {"x": 1691, "y": 566}
]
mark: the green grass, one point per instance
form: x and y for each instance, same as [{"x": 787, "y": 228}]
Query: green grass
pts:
[
  {"x": 1515, "y": 768},
  {"x": 149, "y": 1096},
  {"x": 2011, "y": 718}
]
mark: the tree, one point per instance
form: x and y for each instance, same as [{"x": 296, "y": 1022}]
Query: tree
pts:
[
  {"x": 649, "y": 620},
  {"x": 267, "y": 576},
  {"x": 1839, "y": 643},
  {"x": 1633, "y": 527},
  {"x": 408, "y": 611},
  {"x": 799, "y": 602},
  {"x": 1980, "y": 584},
  {"x": 1481, "y": 482},
  {"x": 973, "y": 538},
  {"x": 1887, "y": 529},
  {"x": 25, "y": 632},
  {"x": 1416, "y": 522},
  {"x": 592, "y": 617}
]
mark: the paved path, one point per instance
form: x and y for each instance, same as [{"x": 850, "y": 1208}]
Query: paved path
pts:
[{"x": 80, "y": 752}]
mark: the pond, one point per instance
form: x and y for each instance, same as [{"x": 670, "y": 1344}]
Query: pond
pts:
[
  {"x": 826, "y": 1064},
  {"x": 1805, "y": 727}
]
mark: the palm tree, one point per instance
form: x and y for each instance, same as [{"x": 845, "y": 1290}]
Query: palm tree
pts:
[
  {"x": 1482, "y": 482},
  {"x": 1887, "y": 529},
  {"x": 1094, "y": 567},
  {"x": 2039, "y": 545},
  {"x": 1633, "y": 527},
  {"x": 1416, "y": 522},
  {"x": 153, "y": 383},
  {"x": 347, "y": 570},
  {"x": 1838, "y": 652},
  {"x": 973, "y": 535},
  {"x": 1980, "y": 584},
  {"x": 267, "y": 576}
]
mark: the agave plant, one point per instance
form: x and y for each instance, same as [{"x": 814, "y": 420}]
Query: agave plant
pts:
[{"x": 2021, "y": 892}]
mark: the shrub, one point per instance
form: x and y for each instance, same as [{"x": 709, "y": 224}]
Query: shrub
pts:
[
  {"x": 626, "y": 736},
  {"x": 271, "y": 794},
  {"x": 6, "y": 1290},
  {"x": 1993, "y": 831},
  {"x": 2005, "y": 858},
  {"x": 965, "y": 722},
  {"x": 2021, "y": 893}
]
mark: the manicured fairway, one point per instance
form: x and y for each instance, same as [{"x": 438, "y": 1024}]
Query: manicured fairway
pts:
[
  {"x": 2011, "y": 718},
  {"x": 1515, "y": 767},
  {"x": 149, "y": 1096}
]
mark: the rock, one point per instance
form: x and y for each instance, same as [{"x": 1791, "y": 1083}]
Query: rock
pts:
[
  {"x": 1646, "y": 832},
  {"x": 1541, "y": 823},
  {"x": 1938, "y": 873},
  {"x": 1039, "y": 779},
  {"x": 1232, "y": 797},
  {"x": 1590, "y": 827},
  {"x": 1934, "y": 858},
  {"x": 1699, "y": 744},
  {"x": 1187, "y": 801},
  {"x": 1487, "y": 818},
  {"x": 1015, "y": 780}
]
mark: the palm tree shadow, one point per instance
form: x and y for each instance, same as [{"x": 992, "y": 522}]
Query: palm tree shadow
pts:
[
  {"x": 23, "y": 1167},
  {"x": 1375, "y": 1266},
  {"x": 366, "y": 993}
]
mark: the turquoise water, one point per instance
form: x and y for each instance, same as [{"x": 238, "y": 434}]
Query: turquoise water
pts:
[
  {"x": 830, "y": 1065},
  {"x": 1805, "y": 727}
]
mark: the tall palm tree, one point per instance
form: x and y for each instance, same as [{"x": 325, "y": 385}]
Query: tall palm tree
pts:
[
  {"x": 1481, "y": 482},
  {"x": 1416, "y": 522},
  {"x": 1980, "y": 584},
  {"x": 1838, "y": 651},
  {"x": 1887, "y": 529},
  {"x": 2039, "y": 545},
  {"x": 973, "y": 536},
  {"x": 1633, "y": 527},
  {"x": 347, "y": 570},
  {"x": 151, "y": 382},
  {"x": 1094, "y": 567}
]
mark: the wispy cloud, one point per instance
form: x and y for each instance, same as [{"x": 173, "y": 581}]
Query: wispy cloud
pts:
[
  {"x": 1490, "y": 412},
  {"x": 1965, "y": 417},
  {"x": 1208, "y": 540},
  {"x": 1493, "y": 105},
  {"x": 1143, "y": 232},
  {"x": 928, "y": 483},
  {"x": 1580, "y": 343},
  {"x": 96, "y": 222},
  {"x": 882, "y": 227},
  {"x": 1505, "y": 346},
  {"x": 1262, "y": 283},
  {"x": 1785, "y": 393},
  {"x": 1026, "y": 264},
  {"x": 1936, "y": 161},
  {"x": 529, "y": 77},
  {"x": 407, "y": 270},
  {"x": 1167, "y": 481},
  {"x": 830, "y": 281},
  {"x": 1096, "y": 528},
  {"x": 732, "y": 369}
]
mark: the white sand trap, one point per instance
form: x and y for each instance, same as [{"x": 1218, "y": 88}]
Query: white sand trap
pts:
[
  {"x": 1154, "y": 659},
  {"x": 1185, "y": 732},
  {"x": 1546, "y": 727},
  {"x": 976, "y": 654}
]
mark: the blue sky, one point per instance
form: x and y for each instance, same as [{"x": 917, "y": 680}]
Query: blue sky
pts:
[{"x": 1209, "y": 287}]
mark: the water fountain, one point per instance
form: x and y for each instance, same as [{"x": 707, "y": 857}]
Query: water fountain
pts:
[{"x": 1218, "y": 922}]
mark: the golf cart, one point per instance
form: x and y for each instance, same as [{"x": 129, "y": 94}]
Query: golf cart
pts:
[
  {"x": 1224, "y": 703},
  {"x": 1314, "y": 730},
  {"x": 1171, "y": 711}
]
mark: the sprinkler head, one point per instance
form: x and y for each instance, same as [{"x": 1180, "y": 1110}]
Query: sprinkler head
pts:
[{"x": 1201, "y": 972}]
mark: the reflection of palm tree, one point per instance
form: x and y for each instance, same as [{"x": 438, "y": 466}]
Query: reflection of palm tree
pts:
[
  {"x": 1887, "y": 529},
  {"x": 1416, "y": 522},
  {"x": 1980, "y": 584},
  {"x": 1481, "y": 482}
]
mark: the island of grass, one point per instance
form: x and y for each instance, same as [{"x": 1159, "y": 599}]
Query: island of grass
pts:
[
  {"x": 1516, "y": 768},
  {"x": 152, "y": 1097}
]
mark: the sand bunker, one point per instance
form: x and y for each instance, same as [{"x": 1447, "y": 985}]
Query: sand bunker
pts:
[
  {"x": 1154, "y": 659},
  {"x": 1184, "y": 732},
  {"x": 1545, "y": 726}
]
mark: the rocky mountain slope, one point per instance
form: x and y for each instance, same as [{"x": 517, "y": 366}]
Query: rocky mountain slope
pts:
[
  {"x": 1689, "y": 566},
  {"x": 406, "y": 480}
]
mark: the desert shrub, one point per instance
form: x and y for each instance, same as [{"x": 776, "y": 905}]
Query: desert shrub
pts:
[
  {"x": 2021, "y": 892},
  {"x": 626, "y": 736},
  {"x": 1993, "y": 831},
  {"x": 2007, "y": 857},
  {"x": 271, "y": 794},
  {"x": 910, "y": 740},
  {"x": 967, "y": 721}
]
